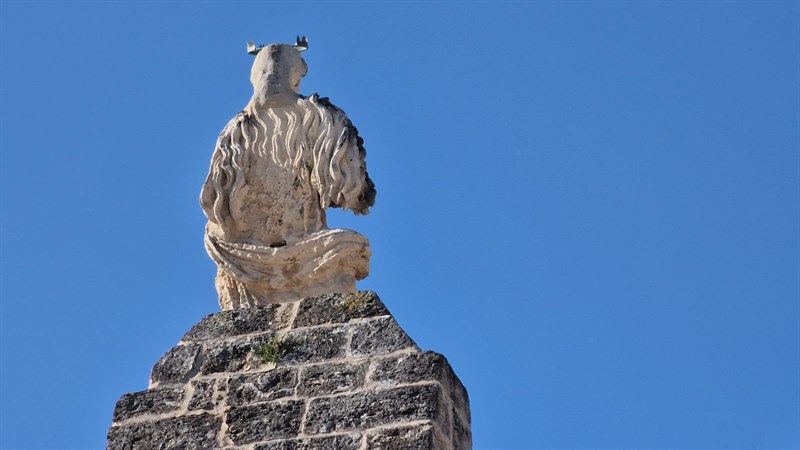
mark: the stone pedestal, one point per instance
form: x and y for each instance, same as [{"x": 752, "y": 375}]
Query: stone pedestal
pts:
[{"x": 345, "y": 376}]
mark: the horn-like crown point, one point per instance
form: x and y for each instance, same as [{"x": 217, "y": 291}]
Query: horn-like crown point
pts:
[{"x": 301, "y": 44}]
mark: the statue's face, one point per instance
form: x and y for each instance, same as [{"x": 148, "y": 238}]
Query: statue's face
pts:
[{"x": 277, "y": 68}]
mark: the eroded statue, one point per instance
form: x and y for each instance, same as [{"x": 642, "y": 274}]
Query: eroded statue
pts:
[{"x": 277, "y": 166}]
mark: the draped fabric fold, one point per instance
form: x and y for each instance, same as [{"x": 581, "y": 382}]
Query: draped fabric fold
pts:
[{"x": 253, "y": 274}]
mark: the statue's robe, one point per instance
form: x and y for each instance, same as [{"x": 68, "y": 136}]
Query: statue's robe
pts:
[{"x": 273, "y": 173}]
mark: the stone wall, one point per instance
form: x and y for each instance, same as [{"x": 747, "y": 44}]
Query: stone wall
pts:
[{"x": 353, "y": 380}]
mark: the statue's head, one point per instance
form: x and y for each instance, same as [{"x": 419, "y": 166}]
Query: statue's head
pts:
[{"x": 277, "y": 71}]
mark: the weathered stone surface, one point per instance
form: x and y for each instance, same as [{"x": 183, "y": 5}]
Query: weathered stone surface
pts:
[
  {"x": 422, "y": 366},
  {"x": 328, "y": 379},
  {"x": 152, "y": 401},
  {"x": 409, "y": 368},
  {"x": 355, "y": 382},
  {"x": 403, "y": 438},
  {"x": 318, "y": 344},
  {"x": 186, "y": 432},
  {"x": 369, "y": 409},
  {"x": 265, "y": 421},
  {"x": 458, "y": 395},
  {"x": 230, "y": 356},
  {"x": 341, "y": 442},
  {"x": 203, "y": 397},
  {"x": 262, "y": 386},
  {"x": 381, "y": 335},
  {"x": 177, "y": 365},
  {"x": 260, "y": 319},
  {"x": 462, "y": 431},
  {"x": 338, "y": 308}
]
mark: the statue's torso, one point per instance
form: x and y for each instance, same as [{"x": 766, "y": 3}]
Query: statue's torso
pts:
[{"x": 275, "y": 206}]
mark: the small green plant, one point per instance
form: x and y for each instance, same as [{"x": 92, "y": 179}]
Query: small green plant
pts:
[
  {"x": 276, "y": 348},
  {"x": 355, "y": 302}
]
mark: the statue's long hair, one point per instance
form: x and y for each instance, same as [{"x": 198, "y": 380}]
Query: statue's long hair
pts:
[{"x": 319, "y": 143}]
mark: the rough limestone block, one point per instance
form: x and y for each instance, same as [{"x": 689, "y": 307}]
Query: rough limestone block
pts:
[
  {"x": 262, "y": 386},
  {"x": 203, "y": 397},
  {"x": 366, "y": 410},
  {"x": 328, "y": 379},
  {"x": 462, "y": 431},
  {"x": 403, "y": 438},
  {"x": 341, "y": 442},
  {"x": 229, "y": 356},
  {"x": 265, "y": 421},
  {"x": 338, "y": 308},
  {"x": 377, "y": 336},
  {"x": 259, "y": 319},
  {"x": 318, "y": 344},
  {"x": 195, "y": 432},
  {"x": 409, "y": 368},
  {"x": 427, "y": 365},
  {"x": 459, "y": 397},
  {"x": 152, "y": 401},
  {"x": 177, "y": 365}
]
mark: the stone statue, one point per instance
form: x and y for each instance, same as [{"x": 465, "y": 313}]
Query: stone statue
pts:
[{"x": 277, "y": 166}]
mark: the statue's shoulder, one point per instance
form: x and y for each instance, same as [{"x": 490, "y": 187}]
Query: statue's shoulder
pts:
[
  {"x": 325, "y": 103},
  {"x": 241, "y": 116}
]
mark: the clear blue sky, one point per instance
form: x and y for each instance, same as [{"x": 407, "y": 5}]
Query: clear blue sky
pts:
[{"x": 591, "y": 208}]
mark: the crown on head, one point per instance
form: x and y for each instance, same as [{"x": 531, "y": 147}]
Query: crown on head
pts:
[{"x": 301, "y": 44}]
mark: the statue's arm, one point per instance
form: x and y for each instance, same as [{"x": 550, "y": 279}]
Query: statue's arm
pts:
[
  {"x": 366, "y": 195},
  {"x": 207, "y": 197},
  {"x": 356, "y": 190},
  {"x": 213, "y": 195}
]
